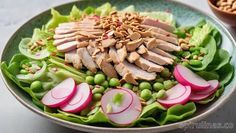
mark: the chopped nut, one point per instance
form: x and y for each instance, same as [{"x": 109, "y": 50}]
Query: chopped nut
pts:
[
  {"x": 184, "y": 46},
  {"x": 135, "y": 36}
]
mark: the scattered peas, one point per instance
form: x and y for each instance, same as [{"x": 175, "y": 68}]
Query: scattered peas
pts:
[
  {"x": 146, "y": 94},
  {"x": 165, "y": 73},
  {"x": 100, "y": 89},
  {"x": 168, "y": 84},
  {"x": 158, "y": 86},
  {"x": 186, "y": 53},
  {"x": 135, "y": 88},
  {"x": 114, "y": 82},
  {"x": 89, "y": 73},
  {"x": 23, "y": 71},
  {"x": 192, "y": 49},
  {"x": 97, "y": 96},
  {"x": 160, "y": 94},
  {"x": 128, "y": 85},
  {"x": 105, "y": 84},
  {"x": 195, "y": 62},
  {"x": 90, "y": 80},
  {"x": 160, "y": 80},
  {"x": 99, "y": 79},
  {"x": 145, "y": 85},
  {"x": 36, "y": 86}
]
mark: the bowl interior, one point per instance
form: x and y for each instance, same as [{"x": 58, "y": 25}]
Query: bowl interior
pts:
[{"x": 183, "y": 14}]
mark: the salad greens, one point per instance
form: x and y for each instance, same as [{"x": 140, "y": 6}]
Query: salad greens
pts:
[{"x": 39, "y": 60}]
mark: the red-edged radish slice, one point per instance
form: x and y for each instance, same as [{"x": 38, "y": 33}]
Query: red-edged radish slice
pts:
[
  {"x": 129, "y": 115},
  {"x": 81, "y": 99},
  {"x": 200, "y": 95},
  {"x": 60, "y": 94},
  {"x": 186, "y": 77},
  {"x": 107, "y": 99},
  {"x": 178, "y": 94}
]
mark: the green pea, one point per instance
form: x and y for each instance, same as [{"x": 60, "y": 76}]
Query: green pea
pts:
[
  {"x": 135, "y": 88},
  {"x": 165, "y": 73},
  {"x": 192, "y": 49},
  {"x": 160, "y": 80},
  {"x": 146, "y": 94},
  {"x": 97, "y": 96},
  {"x": 100, "y": 89},
  {"x": 196, "y": 53},
  {"x": 186, "y": 53},
  {"x": 160, "y": 94},
  {"x": 89, "y": 73},
  {"x": 23, "y": 71},
  {"x": 99, "y": 79},
  {"x": 145, "y": 85},
  {"x": 114, "y": 82},
  {"x": 158, "y": 86},
  {"x": 185, "y": 63},
  {"x": 105, "y": 84},
  {"x": 90, "y": 80},
  {"x": 128, "y": 85},
  {"x": 36, "y": 86},
  {"x": 195, "y": 62},
  {"x": 168, "y": 84}
]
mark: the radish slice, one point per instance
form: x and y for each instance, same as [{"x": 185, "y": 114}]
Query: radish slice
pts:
[
  {"x": 130, "y": 114},
  {"x": 199, "y": 95},
  {"x": 186, "y": 77},
  {"x": 60, "y": 94},
  {"x": 107, "y": 99},
  {"x": 178, "y": 94},
  {"x": 80, "y": 101}
]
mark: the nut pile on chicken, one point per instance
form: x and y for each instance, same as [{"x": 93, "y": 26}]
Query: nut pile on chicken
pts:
[{"x": 126, "y": 44}]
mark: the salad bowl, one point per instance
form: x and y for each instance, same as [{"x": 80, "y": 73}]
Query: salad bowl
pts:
[{"x": 184, "y": 16}]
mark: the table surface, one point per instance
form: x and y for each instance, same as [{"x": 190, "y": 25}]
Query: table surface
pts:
[{"x": 15, "y": 118}]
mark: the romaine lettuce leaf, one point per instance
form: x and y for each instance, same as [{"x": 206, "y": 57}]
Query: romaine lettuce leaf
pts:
[{"x": 56, "y": 19}]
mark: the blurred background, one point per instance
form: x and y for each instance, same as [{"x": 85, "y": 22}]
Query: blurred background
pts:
[{"x": 15, "y": 118}]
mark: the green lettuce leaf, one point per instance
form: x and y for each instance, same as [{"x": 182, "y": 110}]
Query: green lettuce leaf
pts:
[
  {"x": 177, "y": 112},
  {"x": 104, "y": 9},
  {"x": 221, "y": 58},
  {"x": 200, "y": 34},
  {"x": 152, "y": 109},
  {"x": 208, "y": 99},
  {"x": 56, "y": 19},
  {"x": 226, "y": 73},
  {"x": 208, "y": 75},
  {"x": 129, "y": 9},
  {"x": 75, "y": 13}
]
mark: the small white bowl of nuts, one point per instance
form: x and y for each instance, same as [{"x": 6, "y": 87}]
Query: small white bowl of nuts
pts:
[{"x": 225, "y": 10}]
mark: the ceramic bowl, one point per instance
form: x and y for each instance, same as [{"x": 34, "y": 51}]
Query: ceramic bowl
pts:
[
  {"x": 227, "y": 17},
  {"x": 184, "y": 15}
]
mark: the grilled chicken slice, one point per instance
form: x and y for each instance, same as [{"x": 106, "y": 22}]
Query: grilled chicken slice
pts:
[
  {"x": 105, "y": 66},
  {"x": 64, "y": 40},
  {"x": 142, "y": 49},
  {"x": 165, "y": 38},
  {"x": 159, "y": 30},
  {"x": 148, "y": 65},
  {"x": 66, "y": 47},
  {"x": 161, "y": 60},
  {"x": 74, "y": 58},
  {"x": 156, "y": 23},
  {"x": 114, "y": 56},
  {"x": 139, "y": 73},
  {"x": 87, "y": 60},
  {"x": 108, "y": 43},
  {"x": 123, "y": 71},
  {"x": 163, "y": 53},
  {"x": 167, "y": 46}
]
